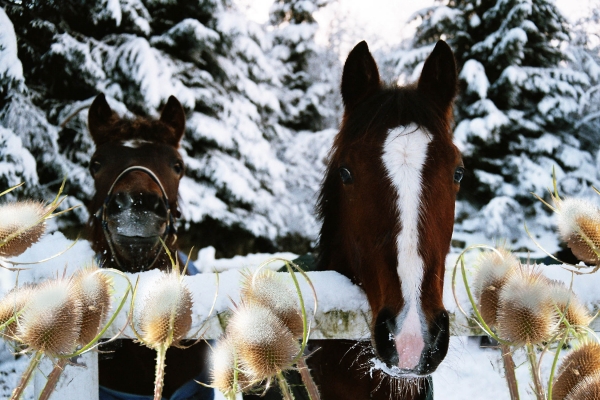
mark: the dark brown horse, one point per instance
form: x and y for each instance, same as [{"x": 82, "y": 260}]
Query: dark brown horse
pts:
[
  {"x": 136, "y": 170},
  {"x": 387, "y": 207}
]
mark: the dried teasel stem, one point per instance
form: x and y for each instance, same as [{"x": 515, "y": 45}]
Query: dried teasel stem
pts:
[
  {"x": 161, "y": 355},
  {"x": 53, "y": 378},
  {"x": 535, "y": 373},
  {"x": 35, "y": 360},
  {"x": 309, "y": 383},
  {"x": 284, "y": 387},
  {"x": 509, "y": 371}
]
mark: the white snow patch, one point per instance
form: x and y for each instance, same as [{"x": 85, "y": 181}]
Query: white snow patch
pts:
[{"x": 11, "y": 69}]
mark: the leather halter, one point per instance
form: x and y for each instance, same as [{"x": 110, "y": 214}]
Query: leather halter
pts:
[{"x": 101, "y": 213}]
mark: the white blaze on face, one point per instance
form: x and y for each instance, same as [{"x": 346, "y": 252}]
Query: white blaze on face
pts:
[
  {"x": 134, "y": 143},
  {"x": 404, "y": 155}
]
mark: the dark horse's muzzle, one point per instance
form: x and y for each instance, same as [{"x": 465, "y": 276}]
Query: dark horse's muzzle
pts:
[{"x": 134, "y": 222}]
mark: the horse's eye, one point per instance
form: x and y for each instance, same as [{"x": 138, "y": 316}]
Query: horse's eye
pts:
[
  {"x": 458, "y": 174},
  {"x": 346, "y": 176},
  {"x": 95, "y": 167},
  {"x": 178, "y": 168}
]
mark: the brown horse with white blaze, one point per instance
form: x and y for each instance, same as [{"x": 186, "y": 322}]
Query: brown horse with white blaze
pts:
[
  {"x": 387, "y": 207},
  {"x": 137, "y": 169}
]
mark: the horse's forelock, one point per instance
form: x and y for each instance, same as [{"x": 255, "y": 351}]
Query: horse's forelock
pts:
[{"x": 120, "y": 130}]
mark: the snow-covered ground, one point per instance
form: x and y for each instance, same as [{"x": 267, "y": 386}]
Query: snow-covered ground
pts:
[{"x": 468, "y": 372}]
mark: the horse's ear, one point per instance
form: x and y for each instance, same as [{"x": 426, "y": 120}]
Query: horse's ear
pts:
[
  {"x": 100, "y": 116},
  {"x": 174, "y": 116},
  {"x": 438, "y": 78},
  {"x": 360, "y": 78}
]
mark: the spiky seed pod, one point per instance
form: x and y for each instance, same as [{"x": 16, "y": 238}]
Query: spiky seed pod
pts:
[
  {"x": 578, "y": 217},
  {"x": 26, "y": 217},
  {"x": 576, "y": 314},
  {"x": 168, "y": 300},
  {"x": 12, "y": 303},
  {"x": 222, "y": 372},
  {"x": 582, "y": 362},
  {"x": 51, "y": 320},
  {"x": 95, "y": 289},
  {"x": 493, "y": 270},
  {"x": 264, "y": 344},
  {"x": 268, "y": 289},
  {"x": 587, "y": 389},
  {"x": 526, "y": 314}
]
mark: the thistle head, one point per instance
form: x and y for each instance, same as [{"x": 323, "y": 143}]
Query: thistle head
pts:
[
  {"x": 12, "y": 303},
  {"x": 526, "y": 314},
  {"x": 223, "y": 368},
  {"x": 494, "y": 268},
  {"x": 576, "y": 313},
  {"x": 95, "y": 288},
  {"x": 166, "y": 315},
  {"x": 21, "y": 225},
  {"x": 582, "y": 362},
  {"x": 51, "y": 319},
  {"x": 265, "y": 346},
  {"x": 579, "y": 226},
  {"x": 269, "y": 290},
  {"x": 587, "y": 389}
]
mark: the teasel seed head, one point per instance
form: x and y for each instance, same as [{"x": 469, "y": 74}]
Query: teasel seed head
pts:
[
  {"x": 168, "y": 302},
  {"x": 13, "y": 302},
  {"x": 587, "y": 389},
  {"x": 95, "y": 288},
  {"x": 576, "y": 218},
  {"x": 223, "y": 363},
  {"x": 51, "y": 319},
  {"x": 494, "y": 269},
  {"x": 26, "y": 217},
  {"x": 527, "y": 314},
  {"x": 265, "y": 346},
  {"x": 576, "y": 314},
  {"x": 269, "y": 290},
  {"x": 582, "y": 362}
]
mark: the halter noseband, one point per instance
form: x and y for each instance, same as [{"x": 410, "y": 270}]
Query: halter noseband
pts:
[{"x": 101, "y": 213}]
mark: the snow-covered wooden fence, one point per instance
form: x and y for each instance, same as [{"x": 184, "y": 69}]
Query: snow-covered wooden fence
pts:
[{"x": 342, "y": 313}]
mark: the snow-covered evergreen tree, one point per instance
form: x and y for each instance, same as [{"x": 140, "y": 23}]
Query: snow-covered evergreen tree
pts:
[
  {"x": 55, "y": 57},
  {"x": 584, "y": 51},
  {"x": 310, "y": 75},
  {"x": 515, "y": 112}
]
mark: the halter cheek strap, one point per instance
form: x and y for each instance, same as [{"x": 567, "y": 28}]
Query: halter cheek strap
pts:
[{"x": 101, "y": 213}]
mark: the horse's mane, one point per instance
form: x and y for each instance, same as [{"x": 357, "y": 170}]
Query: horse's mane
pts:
[
  {"x": 117, "y": 130},
  {"x": 386, "y": 109}
]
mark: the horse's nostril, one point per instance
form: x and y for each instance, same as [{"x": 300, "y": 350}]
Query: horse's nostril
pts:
[
  {"x": 439, "y": 331},
  {"x": 120, "y": 201},
  {"x": 383, "y": 337}
]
